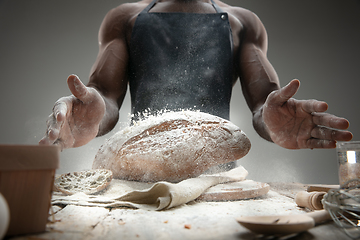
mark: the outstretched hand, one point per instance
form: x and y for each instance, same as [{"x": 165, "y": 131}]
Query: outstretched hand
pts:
[
  {"x": 296, "y": 124},
  {"x": 75, "y": 119}
]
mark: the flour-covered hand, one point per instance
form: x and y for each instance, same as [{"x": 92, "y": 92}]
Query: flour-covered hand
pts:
[
  {"x": 297, "y": 124},
  {"x": 75, "y": 119}
]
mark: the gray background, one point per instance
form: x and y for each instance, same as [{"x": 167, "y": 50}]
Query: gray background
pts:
[{"x": 42, "y": 42}]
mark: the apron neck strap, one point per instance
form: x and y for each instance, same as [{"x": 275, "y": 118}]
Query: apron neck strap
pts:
[
  {"x": 217, "y": 8},
  {"x": 151, "y": 5}
]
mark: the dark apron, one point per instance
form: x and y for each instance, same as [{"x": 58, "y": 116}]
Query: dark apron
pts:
[{"x": 181, "y": 61}]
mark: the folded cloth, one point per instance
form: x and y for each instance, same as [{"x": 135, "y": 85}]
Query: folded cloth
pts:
[{"x": 160, "y": 196}]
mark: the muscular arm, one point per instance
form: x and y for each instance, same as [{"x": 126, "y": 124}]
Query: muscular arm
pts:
[
  {"x": 258, "y": 77},
  {"x": 93, "y": 110},
  {"x": 108, "y": 74},
  {"x": 277, "y": 116}
]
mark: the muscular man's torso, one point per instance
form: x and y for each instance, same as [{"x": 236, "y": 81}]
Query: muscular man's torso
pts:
[{"x": 143, "y": 93}]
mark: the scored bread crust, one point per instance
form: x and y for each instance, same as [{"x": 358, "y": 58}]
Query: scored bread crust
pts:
[
  {"x": 172, "y": 147},
  {"x": 88, "y": 182}
]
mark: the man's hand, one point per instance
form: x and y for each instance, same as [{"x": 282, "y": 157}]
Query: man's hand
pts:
[
  {"x": 75, "y": 119},
  {"x": 296, "y": 124}
]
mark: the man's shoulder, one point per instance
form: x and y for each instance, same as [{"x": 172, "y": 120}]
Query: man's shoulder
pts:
[
  {"x": 131, "y": 6},
  {"x": 245, "y": 16},
  {"x": 127, "y": 10},
  {"x": 119, "y": 20}
]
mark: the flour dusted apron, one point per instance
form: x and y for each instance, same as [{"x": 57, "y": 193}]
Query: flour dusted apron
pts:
[{"x": 181, "y": 61}]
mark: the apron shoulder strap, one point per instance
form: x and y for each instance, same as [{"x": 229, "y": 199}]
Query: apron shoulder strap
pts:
[
  {"x": 217, "y": 8},
  {"x": 149, "y": 7}
]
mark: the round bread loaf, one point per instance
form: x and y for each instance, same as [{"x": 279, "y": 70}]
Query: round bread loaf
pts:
[
  {"x": 172, "y": 147},
  {"x": 88, "y": 182}
]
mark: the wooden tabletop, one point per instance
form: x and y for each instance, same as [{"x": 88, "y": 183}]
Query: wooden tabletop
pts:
[{"x": 195, "y": 220}]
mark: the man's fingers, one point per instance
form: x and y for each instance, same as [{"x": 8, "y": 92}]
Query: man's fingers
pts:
[
  {"x": 77, "y": 88},
  {"x": 60, "y": 110},
  {"x": 320, "y": 143},
  {"x": 51, "y": 136},
  {"x": 284, "y": 94},
  {"x": 328, "y": 120},
  {"x": 55, "y": 122},
  {"x": 289, "y": 90},
  {"x": 312, "y": 106},
  {"x": 325, "y": 133},
  {"x": 45, "y": 141}
]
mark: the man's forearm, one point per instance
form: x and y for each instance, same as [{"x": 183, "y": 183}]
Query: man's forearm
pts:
[
  {"x": 110, "y": 118},
  {"x": 260, "y": 126}
]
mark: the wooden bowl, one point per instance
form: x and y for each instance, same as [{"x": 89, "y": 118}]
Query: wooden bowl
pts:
[{"x": 26, "y": 179}]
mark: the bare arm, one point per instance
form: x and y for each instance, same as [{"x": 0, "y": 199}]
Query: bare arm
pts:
[
  {"x": 258, "y": 77},
  {"x": 108, "y": 74},
  {"x": 92, "y": 110},
  {"x": 277, "y": 116}
]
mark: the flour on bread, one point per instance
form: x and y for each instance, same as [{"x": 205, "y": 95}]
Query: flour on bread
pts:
[{"x": 172, "y": 146}]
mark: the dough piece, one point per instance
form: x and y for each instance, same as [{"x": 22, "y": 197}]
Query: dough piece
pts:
[
  {"x": 88, "y": 182},
  {"x": 172, "y": 147}
]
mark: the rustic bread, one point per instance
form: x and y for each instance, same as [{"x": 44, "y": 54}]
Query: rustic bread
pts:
[
  {"x": 172, "y": 147},
  {"x": 89, "y": 182}
]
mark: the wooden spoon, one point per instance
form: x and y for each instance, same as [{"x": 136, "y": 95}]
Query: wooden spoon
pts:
[{"x": 287, "y": 224}]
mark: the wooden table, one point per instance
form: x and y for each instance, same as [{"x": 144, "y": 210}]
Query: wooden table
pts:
[{"x": 196, "y": 220}]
